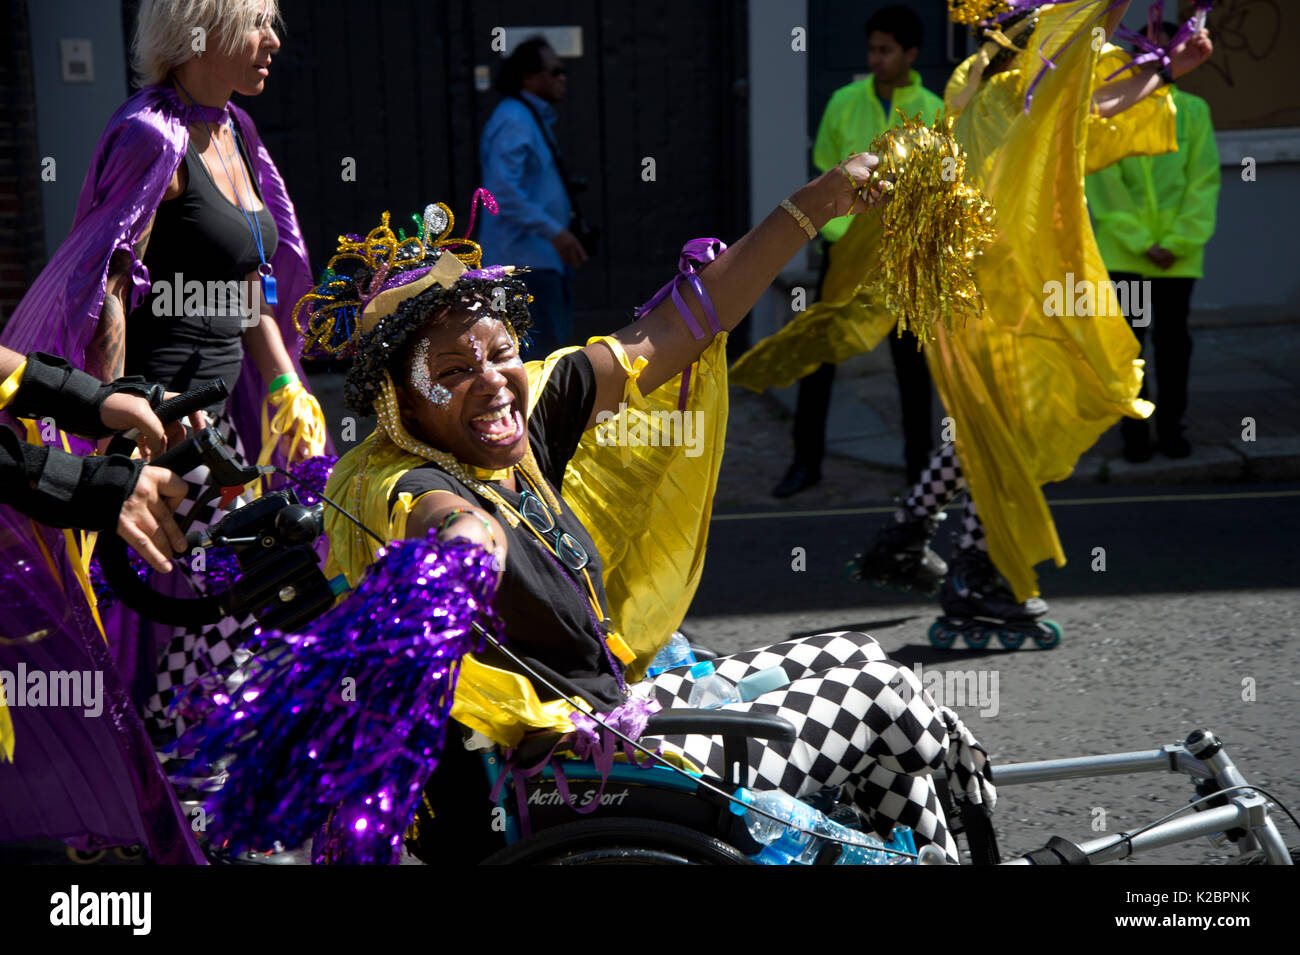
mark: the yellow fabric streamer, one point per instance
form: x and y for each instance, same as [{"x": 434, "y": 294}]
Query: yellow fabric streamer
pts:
[
  {"x": 6, "y": 731},
  {"x": 1036, "y": 388},
  {"x": 1029, "y": 391},
  {"x": 79, "y": 545},
  {"x": 298, "y": 413}
]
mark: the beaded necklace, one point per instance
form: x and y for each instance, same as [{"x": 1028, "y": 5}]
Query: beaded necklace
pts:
[{"x": 390, "y": 421}]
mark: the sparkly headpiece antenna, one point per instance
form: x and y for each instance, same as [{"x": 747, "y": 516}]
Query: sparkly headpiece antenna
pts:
[{"x": 394, "y": 267}]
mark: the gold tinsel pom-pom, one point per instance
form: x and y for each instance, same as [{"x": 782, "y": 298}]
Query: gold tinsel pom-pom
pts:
[
  {"x": 971, "y": 12},
  {"x": 935, "y": 225}
]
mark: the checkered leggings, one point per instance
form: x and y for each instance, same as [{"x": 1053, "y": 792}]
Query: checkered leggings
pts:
[
  {"x": 864, "y": 725},
  {"x": 940, "y": 483},
  {"x": 195, "y": 652}
]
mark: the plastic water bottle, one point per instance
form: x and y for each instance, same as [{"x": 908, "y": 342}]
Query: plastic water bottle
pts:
[
  {"x": 710, "y": 690},
  {"x": 675, "y": 653},
  {"x": 783, "y": 842},
  {"x": 864, "y": 848},
  {"x": 802, "y": 832}
]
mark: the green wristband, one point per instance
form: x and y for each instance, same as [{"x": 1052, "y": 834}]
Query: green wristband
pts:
[
  {"x": 277, "y": 383},
  {"x": 460, "y": 512}
]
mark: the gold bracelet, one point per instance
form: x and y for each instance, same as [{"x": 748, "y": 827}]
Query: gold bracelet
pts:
[{"x": 804, "y": 222}]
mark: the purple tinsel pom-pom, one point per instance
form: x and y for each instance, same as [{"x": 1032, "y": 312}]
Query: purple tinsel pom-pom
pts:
[
  {"x": 345, "y": 723},
  {"x": 313, "y": 474},
  {"x": 105, "y": 596}
]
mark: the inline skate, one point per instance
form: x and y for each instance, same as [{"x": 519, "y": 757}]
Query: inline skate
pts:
[
  {"x": 978, "y": 604},
  {"x": 901, "y": 557}
]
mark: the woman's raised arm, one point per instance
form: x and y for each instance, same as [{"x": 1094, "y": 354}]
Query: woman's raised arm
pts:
[{"x": 733, "y": 282}]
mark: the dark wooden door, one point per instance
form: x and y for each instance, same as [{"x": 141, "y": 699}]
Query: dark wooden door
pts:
[{"x": 390, "y": 86}]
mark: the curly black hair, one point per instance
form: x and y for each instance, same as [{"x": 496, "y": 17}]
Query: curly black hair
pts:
[{"x": 387, "y": 347}]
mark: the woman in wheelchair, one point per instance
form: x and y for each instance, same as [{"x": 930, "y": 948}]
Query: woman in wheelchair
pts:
[{"x": 539, "y": 464}]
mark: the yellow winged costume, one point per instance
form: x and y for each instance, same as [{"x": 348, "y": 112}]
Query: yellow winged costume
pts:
[
  {"x": 647, "y": 509},
  {"x": 1029, "y": 391}
]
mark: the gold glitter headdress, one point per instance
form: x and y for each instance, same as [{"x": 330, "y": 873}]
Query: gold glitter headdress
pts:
[
  {"x": 935, "y": 225},
  {"x": 340, "y": 308}
]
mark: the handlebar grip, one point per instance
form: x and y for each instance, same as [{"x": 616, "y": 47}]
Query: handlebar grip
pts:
[
  {"x": 183, "y": 458},
  {"x": 196, "y": 399}
]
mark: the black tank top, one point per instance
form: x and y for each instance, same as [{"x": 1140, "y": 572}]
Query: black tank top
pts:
[{"x": 188, "y": 329}]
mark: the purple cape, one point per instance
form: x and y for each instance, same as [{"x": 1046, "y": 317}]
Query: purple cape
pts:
[{"x": 94, "y": 780}]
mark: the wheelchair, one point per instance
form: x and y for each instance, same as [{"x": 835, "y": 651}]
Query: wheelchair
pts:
[
  {"x": 637, "y": 815},
  {"x": 653, "y": 815}
]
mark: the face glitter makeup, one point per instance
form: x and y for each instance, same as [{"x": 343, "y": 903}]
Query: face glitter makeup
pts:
[{"x": 420, "y": 381}]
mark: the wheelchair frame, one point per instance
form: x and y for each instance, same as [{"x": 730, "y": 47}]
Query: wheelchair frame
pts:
[{"x": 660, "y": 799}]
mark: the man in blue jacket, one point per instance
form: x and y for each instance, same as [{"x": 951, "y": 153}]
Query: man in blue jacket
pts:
[{"x": 523, "y": 168}]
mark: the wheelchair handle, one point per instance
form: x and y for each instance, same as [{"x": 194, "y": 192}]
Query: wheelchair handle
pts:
[
  {"x": 196, "y": 399},
  {"x": 681, "y": 721},
  {"x": 173, "y": 409}
]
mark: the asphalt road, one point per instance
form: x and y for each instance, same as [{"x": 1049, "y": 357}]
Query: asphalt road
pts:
[{"x": 1192, "y": 623}]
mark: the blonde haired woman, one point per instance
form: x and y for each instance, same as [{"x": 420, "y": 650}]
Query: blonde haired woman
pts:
[{"x": 180, "y": 191}]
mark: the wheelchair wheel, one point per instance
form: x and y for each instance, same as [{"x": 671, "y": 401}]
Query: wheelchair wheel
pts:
[{"x": 626, "y": 841}]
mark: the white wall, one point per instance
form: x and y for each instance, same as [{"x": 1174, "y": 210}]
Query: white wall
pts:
[{"x": 778, "y": 124}]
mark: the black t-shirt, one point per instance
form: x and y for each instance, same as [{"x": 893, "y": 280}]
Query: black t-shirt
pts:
[
  {"x": 547, "y": 617},
  {"x": 200, "y": 236}
]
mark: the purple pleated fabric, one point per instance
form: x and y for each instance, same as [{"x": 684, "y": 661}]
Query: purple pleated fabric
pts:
[
  {"x": 83, "y": 773},
  {"x": 95, "y": 780}
]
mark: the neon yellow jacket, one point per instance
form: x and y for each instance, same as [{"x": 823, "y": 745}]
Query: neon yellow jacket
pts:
[
  {"x": 854, "y": 117},
  {"x": 1167, "y": 200}
]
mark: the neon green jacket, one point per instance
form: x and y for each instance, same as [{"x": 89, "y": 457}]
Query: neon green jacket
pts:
[
  {"x": 854, "y": 117},
  {"x": 1167, "y": 200}
]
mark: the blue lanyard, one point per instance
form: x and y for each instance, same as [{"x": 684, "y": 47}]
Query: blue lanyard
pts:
[{"x": 264, "y": 270}]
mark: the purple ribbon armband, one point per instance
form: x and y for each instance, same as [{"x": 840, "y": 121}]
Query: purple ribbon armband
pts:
[
  {"x": 1150, "y": 52},
  {"x": 695, "y": 252}
]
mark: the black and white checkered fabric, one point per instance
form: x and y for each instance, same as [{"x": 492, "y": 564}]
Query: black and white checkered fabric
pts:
[
  {"x": 193, "y": 653},
  {"x": 972, "y": 529},
  {"x": 864, "y": 723},
  {"x": 940, "y": 483}
]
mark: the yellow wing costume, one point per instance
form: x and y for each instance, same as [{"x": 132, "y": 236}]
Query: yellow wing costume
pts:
[
  {"x": 1029, "y": 391},
  {"x": 647, "y": 508}
]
